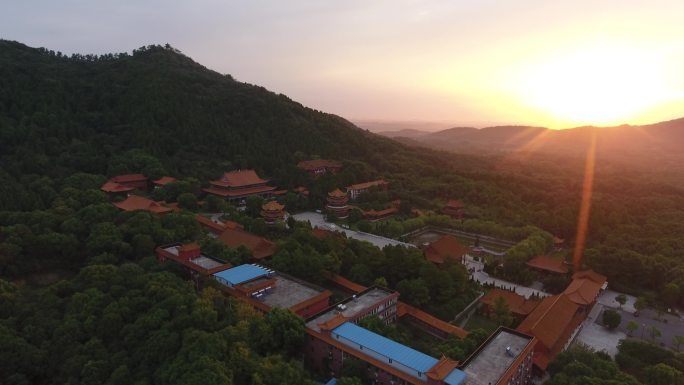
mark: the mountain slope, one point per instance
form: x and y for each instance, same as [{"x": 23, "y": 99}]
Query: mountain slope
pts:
[{"x": 161, "y": 101}]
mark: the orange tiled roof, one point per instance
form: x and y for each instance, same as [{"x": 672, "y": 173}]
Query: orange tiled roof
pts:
[
  {"x": 445, "y": 248},
  {"x": 240, "y": 192},
  {"x": 260, "y": 247},
  {"x": 516, "y": 303},
  {"x": 366, "y": 185},
  {"x": 551, "y": 321},
  {"x": 113, "y": 187},
  {"x": 189, "y": 246},
  {"x": 127, "y": 178},
  {"x": 135, "y": 202},
  {"x": 592, "y": 275},
  {"x": 164, "y": 180},
  {"x": 583, "y": 291},
  {"x": 239, "y": 178},
  {"x": 337, "y": 193},
  {"x": 404, "y": 309},
  {"x": 442, "y": 368},
  {"x": 347, "y": 284},
  {"x": 381, "y": 213},
  {"x": 272, "y": 206},
  {"x": 314, "y": 164},
  {"x": 551, "y": 264}
]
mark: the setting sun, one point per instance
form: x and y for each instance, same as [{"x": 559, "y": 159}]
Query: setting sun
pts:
[{"x": 600, "y": 85}]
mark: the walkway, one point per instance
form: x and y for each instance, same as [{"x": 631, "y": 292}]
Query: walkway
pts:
[
  {"x": 318, "y": 220},
  {"x": 479, "y": 275}
]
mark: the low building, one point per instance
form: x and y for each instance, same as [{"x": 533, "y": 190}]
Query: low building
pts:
[
  {"x": 318, "y": 167},
  {"x": 553, "y": 323},
  {"x": 454, "y": 208},
  {"x": 266, "y": 289},
  {"x": 136, "y": 203},
  {"x": 113, "y": 188},
  {"x": 377, "y": 215},
  {"x": 505, "y": 358},
  {"x": 357, "y": 189},
  {"x": 549, "y": 265},
  {"x": 136, "y": 181},
  {"x": 446, "y": 248},
  {"x": 333, "y": 336},
  {"x": 519, "y": 306},
  {"x": 272, "y": 212},
  {"x": 235, "y": 186},
  {"x": 216, "y": 226},
  {"x": 200, "y": 266},
  {"x": 429, "y": 323},
  {"x": 337, "y": 204},
  {"x": 259, "y": 247},
  {"x": 163, "y": 181},
  {"x": 585, "y": 288}
]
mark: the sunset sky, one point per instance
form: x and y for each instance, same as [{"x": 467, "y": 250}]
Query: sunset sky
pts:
[{"x": 557, "y": 64}]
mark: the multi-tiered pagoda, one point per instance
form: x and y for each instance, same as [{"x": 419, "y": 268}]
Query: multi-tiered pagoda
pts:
[{"x": 337, "y": 204}]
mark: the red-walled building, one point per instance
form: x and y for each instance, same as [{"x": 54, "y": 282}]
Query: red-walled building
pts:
[
  {"x": 357, "y": 189},
  {"x": 318, "y": 167},
  {"x": 265, "y": 289},
  {"x": 136, "y": 181},
  {"x": 237, "y": 185},
  {"x": 200, "y": 266},
  {"x": 135, "y": 203},
  {"x": 454, "y": 208}
]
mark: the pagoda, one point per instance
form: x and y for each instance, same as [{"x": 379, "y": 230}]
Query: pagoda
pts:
[
  {"x": 272, "y": 212},
  {"x": 337, "y": 203}
]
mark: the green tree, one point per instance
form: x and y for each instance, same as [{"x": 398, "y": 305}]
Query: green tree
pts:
[
  {"x": 631, "y": 326},
  {"x": 187, "y": 201},
  {"x": 670, "y": 294},
  {"x": 678, "y": 341},
  {"x": 640, "y": 304},
  {"x": 662, "y": 374},
  {"x": 621, "y": 299},
  {"x": 654, "y": 332},
  {"x": 611, "y": 319}
]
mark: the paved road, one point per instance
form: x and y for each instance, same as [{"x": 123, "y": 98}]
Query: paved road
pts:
[
  {"x": 648, "y": 318},
  {"x": 479, "y": 275},
  {"x": 595, "y": 335},
  {"x": 317, "y": 220}
]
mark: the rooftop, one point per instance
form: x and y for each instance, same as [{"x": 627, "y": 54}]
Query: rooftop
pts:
[
  {"x": 135, "y": 202},
  {"x": 365, "y": 185},
  {"x": 240, "y": 274},
  {"x": 204, "y": 261},
  {"x": 491, "y": 361},
  {"x": 516, "y": 303},
  {"x": 352, "y": 306},
  {"x": 164, "y": 180},
  {"x": 394, "y": 351},
  {"x": 445, "y": 248},
  {"x": 235, "y": 237},
  {"x": 239, "y": 178},
  {"x": 550, "y": 264},
  {"x": 113, "y": 187},
  {"x": 289, "y": 292},
  {"x": 551, "y": 321}
]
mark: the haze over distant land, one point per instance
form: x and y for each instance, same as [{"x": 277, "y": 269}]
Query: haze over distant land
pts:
[{"x": 556, "y": 64}]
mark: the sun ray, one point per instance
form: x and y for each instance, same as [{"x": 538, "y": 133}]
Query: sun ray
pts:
[{"x": 585, "y": 205}]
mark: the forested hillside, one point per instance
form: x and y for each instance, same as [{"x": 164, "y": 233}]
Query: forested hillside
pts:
[{"x": 156, "y": 111}]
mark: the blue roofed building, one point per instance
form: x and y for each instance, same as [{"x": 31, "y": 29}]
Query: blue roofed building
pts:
[
  {"x": 334, "y": 336},
  {"x": 240, "y": 274}
]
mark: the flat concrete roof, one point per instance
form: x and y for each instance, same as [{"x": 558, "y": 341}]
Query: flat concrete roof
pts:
[
  {"x": 288, "y": 292},
  {"x": 491, "y": 361},
  {"x": 206, "y": 262},
  {"x": 353, "y": 306}
]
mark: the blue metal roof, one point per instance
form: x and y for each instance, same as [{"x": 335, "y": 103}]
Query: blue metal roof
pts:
[
  {"x": 411, "y": 358},
  {"x": 240, "y": 274},
  {"x": 456, "y": 377},
  {"x": 332, "y": 381}
]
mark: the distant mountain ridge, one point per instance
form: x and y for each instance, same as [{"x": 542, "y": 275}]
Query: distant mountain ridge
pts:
[{"x": 664, "y": 137}]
